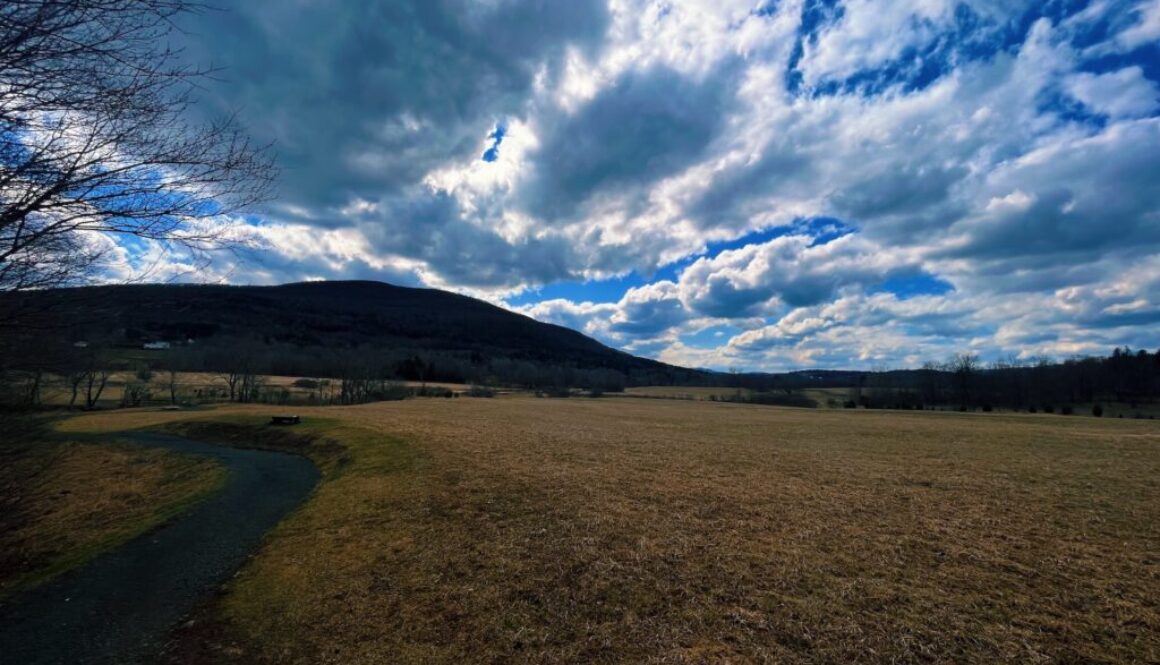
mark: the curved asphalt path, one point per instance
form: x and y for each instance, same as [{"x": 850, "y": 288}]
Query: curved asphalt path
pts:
[{"x": 119, "y": 607}]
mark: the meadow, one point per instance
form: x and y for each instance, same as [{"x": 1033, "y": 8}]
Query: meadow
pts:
[{"x": 582, "y": 530}]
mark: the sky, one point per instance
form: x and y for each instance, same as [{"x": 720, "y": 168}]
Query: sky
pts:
[{"x": 758, "y": 185}]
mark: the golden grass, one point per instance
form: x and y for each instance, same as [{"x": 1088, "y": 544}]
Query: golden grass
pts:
[
  {"x": 576, "y": 530},
  {"x": 684, "y": 392},
  {"x": 66, "y": 502},
  {"x": 825, "y": 397}
]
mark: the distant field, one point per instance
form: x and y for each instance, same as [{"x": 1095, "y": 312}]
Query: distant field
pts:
[
  {"x": 523, "y": 529},
  {"x": 828, "y": 397},
  {"x": 835, "y": 398},
  {"x": 825, "y": 397},
  {"x": 683, "y": 392},
  {"x": 200, "y": 387}
]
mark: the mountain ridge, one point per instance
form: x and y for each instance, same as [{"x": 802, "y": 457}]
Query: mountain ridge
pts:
[{"x": 357, "y": 315}]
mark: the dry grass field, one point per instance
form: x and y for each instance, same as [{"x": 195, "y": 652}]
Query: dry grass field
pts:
[
  {"x": 63, "y": 502},
  {"x": 530, "y": 530},
  {"x": 684, "y": 392},
  {"x": 825, "y": 397}
]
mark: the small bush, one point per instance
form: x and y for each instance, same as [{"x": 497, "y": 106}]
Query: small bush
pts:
[
  {"x": 781, "y": 399},
  {"x": 1032, "y": 409},
  {"x": 1047, "y": 408},
  {"x": 987, "y": 408},
  {"x": 431, "y": 391},
  {"x": 1097, "y": 411},
  {"x": 1067, "y": 410},
  {"x": 850, "y": 404},
  {"x": 134, "y": 394},
  {"x": 390, "y": 391}
]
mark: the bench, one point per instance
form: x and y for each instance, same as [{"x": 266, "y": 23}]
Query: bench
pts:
[{"x": 285, "y": 420}]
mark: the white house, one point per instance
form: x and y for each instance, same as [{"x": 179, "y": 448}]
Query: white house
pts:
[{"x": 156, "y": 346}]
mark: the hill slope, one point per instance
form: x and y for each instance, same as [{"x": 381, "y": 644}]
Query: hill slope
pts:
[{"x": 311, "y": 318}]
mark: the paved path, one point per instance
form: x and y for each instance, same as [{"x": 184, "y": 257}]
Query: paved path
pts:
[{"x": 119, "y": 607}]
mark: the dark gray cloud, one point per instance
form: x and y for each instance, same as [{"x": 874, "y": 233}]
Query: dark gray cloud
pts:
[
  {"x": 1084, "y": 199},
  {"x": 898, "y": 189},
  {"x": 426, "y": 226},
  {"x": 742, "y": 192},
  {"x": 366, "y": 97},
  {"x": 647, "y": 125}
]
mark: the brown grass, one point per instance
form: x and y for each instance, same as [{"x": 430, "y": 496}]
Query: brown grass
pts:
[
  {"x": 65, "y": 502},
  {"x": 658, "y": 531},
  {"x": 825, "y": 397},
  {"x": 684, "y": 392}
]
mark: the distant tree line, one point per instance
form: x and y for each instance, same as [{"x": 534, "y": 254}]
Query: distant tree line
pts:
[
  {"x": 1038, "y": 384},
  {"x": 370, "y": 369},
  {"x": 239, "y": 367},
  {"x": 237, "y": 371}
]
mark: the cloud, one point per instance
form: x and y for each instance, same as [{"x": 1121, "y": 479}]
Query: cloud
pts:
[
  {"x": 1120, "y": 94},
  {"x": 367, "y": 97},
  {"x": 1145, "y": 31},
  {"x": 994, "y": 162},
  {"x": 792, "y": 271},
  {"x": 644, "y": 126},
  {"x": 1067, "y": 210}
]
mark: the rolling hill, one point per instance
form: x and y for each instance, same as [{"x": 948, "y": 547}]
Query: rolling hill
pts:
[{"x": 295, "y": 323}]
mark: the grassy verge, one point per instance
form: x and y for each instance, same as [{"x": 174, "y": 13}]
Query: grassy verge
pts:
[
  {"x": 64, "y": 502},
  {"x": 329, "y": 542}
]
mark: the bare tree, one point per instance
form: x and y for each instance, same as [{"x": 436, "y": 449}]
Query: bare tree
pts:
[
  {"x": 965, "y": 366},
  {"x": 243, "y": 373},
  {"x": 95, "y": 381},
  {"x": 86, "y": 371},
  {"x": 95, "y": 140},
  {"x": 74, "y": 379},
  {"x": 171, "y": 384},
  {"x": 233, "y": 378}
]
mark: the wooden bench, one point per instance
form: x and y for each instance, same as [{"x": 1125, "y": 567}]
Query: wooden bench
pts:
[{"x": 285, "y": 420}]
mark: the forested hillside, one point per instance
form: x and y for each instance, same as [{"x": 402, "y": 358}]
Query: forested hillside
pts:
[{"x": 323, "y": 329}]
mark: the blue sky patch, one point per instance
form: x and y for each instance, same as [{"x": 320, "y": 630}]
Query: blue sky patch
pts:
[
  {"x": 710, "y": 338},
  {"x": 496, "y": 136},
  {"x": 912, "y": 285},
  {"x": 1146, "y": 57},
  {"x": 597, "y": 291}
]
